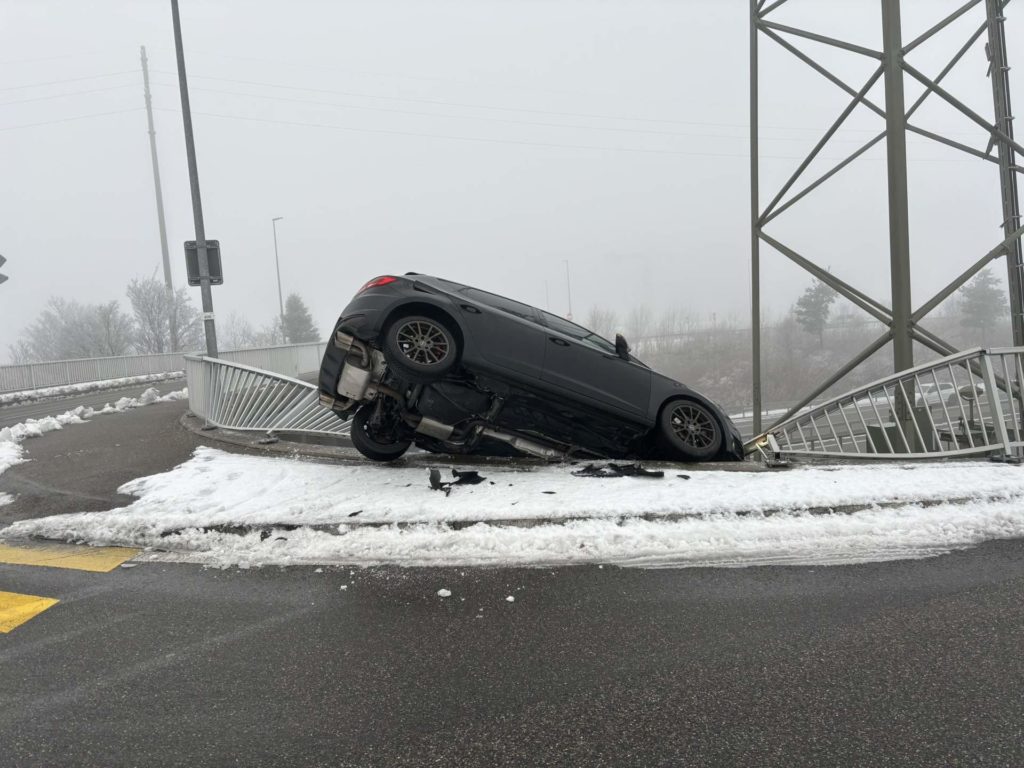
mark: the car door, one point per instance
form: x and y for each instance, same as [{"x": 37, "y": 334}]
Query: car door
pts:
[
  {"x": 508, "y": 335},
  {"x": 578, "y": 363}
]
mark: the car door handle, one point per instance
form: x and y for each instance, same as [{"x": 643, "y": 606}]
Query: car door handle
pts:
[{"x": 559, "y": 342}]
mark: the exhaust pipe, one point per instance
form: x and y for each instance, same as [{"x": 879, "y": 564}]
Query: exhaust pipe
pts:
[{"x": 524, "y": 445}]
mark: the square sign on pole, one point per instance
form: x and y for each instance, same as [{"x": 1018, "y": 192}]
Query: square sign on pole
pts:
[{"x": 213, "y": 257}]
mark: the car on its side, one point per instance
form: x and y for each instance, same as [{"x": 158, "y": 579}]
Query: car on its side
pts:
[{"x": 415, "y": 359}]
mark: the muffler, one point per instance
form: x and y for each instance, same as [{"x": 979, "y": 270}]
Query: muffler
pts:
[{"x": 523, "y": 445}]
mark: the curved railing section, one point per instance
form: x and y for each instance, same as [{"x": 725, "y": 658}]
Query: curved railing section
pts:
[
  {"x": 968, "y": 404},
  {"x": 235, "y": 396}
]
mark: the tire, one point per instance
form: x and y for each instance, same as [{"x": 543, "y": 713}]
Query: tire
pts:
[
  {"x": 420, "y": 349},
  {"x": 690, "y": 430},
  {"x": 370, "y": 446}
]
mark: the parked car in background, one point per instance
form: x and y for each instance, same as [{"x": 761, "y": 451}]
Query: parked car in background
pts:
[
  {"x": 420, "y": 360},
  {"x": 931, "y": 394}
]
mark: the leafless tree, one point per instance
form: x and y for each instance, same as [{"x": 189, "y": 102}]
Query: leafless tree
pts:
[
  {"x": 604, "y": 322},
  {"x": 68, "y": 330},
  {"x": 164, "y": 321}
]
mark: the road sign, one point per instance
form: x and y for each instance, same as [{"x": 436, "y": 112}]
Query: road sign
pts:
[
  {"x": 212, "y": 256},
  {"x": 3, "y": 278}
]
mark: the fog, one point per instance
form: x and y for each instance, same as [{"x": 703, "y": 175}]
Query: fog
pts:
[{"x": 491, "y": 142}]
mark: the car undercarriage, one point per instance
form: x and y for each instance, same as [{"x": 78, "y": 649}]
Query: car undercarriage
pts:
[{"x": 467, "y": 413}]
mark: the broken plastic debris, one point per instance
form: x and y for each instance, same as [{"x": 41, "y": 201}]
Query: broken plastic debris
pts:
[
  {"x": 618, "y": 470},
  {"x": 468, "y": 477},
  {"x": 444, "y": 593},
  {"x": 510, "y": 599}
]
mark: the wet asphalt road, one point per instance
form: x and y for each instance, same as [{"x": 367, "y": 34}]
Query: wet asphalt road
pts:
[{"x": 912, "y": 663}]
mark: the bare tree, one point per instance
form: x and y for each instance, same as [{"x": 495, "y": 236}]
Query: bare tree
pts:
[
  {"x": 604, "y": 322},
  {"x": 638, "y": 323},
  {"x": 164, "y": 321},
  {"x": 68, "y": 330},
  {"x": 238, "y": 333}
]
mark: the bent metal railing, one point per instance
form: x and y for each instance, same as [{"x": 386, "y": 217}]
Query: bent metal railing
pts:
[
  {"x": 235, "y": 396},
  {"x": 967, "y": 404}
]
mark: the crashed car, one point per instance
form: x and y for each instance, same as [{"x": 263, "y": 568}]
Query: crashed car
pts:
[{"x": 453, "y": 369}]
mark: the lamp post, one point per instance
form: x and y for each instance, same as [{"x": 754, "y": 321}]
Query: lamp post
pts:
[
  {"x": 568, "y": 289},
  {"x": 277, "y": 263}
]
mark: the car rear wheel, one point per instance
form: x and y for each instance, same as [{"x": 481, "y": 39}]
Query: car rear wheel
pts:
[
  {"x": 420, "y": 349},
  {"x": 372, "y": 442},
  {"x": 690, "y": 430}
]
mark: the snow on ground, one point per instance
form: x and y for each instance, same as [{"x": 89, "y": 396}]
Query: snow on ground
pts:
[
  {"x": 225, "y": 509},
  {"x": 11, "y": 452},
  {"x": 29, "y": 395}
]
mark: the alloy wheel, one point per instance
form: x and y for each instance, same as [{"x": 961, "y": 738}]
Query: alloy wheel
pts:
[
  {"x": 693, "y": 425},
  {"x": 423, "y": 342}
]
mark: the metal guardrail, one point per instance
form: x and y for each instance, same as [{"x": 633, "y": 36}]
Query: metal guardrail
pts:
[
  {"x": 290, "y": 360},
  {"x": 236, "y": 396},
  {"x": 59, "y": 373},
  {"x": 968, "y": 404}
]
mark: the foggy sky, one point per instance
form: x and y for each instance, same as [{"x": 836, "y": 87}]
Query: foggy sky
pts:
[{"x": 486, "y": 141}]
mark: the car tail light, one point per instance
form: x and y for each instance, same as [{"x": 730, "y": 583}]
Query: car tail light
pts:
[{"x": 377, "y": 282}]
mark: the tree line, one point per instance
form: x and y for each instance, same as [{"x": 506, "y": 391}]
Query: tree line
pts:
[
  {"x": 158, "y": 321},
  {"x": 799, "y": 348}
]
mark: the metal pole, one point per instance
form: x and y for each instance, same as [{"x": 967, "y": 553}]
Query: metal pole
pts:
[
  {"x": 172, "y": 318},
  {"x": 755, "y": 228},
  {"x": 197, "y": 205},
  {"x": 568, "y": 288},
  {"x": 999, "y": 73},
  {"x": 896, "y": 145},
  {"x": 280, "y": 301}
]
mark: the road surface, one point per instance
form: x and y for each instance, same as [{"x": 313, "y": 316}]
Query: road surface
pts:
[{"x": 913, "y": 663}]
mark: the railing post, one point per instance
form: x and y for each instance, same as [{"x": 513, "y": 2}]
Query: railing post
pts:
[{"x": 994, "y": 406}]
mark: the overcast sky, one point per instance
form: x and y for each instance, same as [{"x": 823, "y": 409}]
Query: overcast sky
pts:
[{"x": 487, "y": 141}]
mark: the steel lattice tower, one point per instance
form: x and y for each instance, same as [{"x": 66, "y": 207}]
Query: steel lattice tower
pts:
[{"x": 902, "y": 322}]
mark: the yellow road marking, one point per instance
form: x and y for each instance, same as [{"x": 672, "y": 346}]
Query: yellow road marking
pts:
[
  {"x": 80, "y": 558},
  {"x": 16, "y": 609}
]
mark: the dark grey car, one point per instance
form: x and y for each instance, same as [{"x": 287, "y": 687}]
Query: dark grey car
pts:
[{"x": 453, "y": 369}]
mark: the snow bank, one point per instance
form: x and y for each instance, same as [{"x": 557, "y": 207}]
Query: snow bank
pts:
[
  {"x": 368, "y": 514},
  {"x": 29, "y": 395}
]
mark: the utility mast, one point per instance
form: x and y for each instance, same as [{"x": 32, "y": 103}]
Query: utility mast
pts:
[
  {"x": 172, "y": 318},
  {"x": 892, "y": 63}
]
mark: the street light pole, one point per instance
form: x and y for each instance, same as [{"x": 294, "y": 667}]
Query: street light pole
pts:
[
  {"x": 277, "y": 263},
  {"x": 193, "y": 177},
  {"x": 568, "y": 288}
]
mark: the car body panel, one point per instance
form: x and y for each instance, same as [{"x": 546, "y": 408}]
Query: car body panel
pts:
[{"x": 519, "y": 369}]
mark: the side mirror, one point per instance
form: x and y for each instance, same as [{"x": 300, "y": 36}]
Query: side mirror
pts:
[{"x": 621, "y": 346}]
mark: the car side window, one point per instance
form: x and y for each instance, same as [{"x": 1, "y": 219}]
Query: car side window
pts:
[
  {"x": 525, "y": 311},
  {"x": 556, "y": 323}
]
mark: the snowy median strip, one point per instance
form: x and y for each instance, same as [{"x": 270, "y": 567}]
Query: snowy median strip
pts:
[
  {"x": 226, "y": 509},
  {"x": 31, "y": 395},
  {"x": 11, "y": 452}
]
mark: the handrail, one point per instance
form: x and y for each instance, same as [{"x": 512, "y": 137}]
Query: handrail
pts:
[{"x": 967, "y": 404}]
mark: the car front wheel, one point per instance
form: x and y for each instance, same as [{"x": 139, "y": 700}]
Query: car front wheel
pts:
[
  {"x": 690, "y": 430},
  {"x": 420, "y": 349},
  {"x": 373, "y": 442}
]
